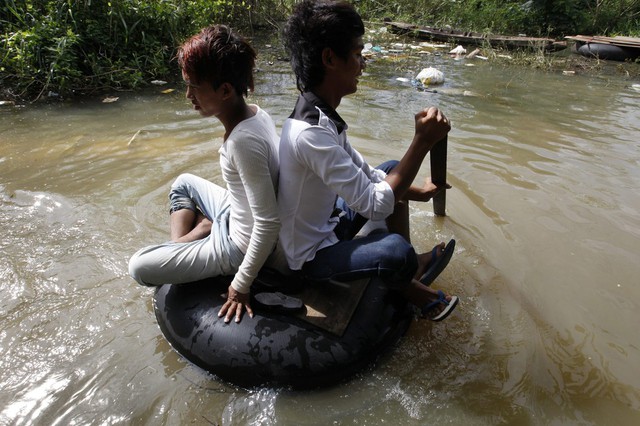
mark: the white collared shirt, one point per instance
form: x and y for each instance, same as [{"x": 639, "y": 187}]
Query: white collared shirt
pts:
[{"x": 317, "y": 164}]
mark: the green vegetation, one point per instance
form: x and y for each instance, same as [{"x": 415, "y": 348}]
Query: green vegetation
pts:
[
  {"x": 81, "y": 46},
  {"x": 533, "y": 17}
]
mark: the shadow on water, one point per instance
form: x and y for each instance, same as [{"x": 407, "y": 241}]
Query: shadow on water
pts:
[{"x": 544, "y": 208}]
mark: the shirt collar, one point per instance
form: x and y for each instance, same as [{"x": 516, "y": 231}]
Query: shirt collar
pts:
[{"x": 312, "y": 99}]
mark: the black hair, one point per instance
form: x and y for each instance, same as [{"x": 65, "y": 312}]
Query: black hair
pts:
[{"x": 313, "y": 26}]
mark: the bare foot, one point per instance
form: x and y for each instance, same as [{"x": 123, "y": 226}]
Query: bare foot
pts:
[{"x": 425, "y": 259}]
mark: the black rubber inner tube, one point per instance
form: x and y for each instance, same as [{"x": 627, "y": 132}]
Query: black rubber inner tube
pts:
[
  {"x": 608, "y": 51},
  {"x": 274, "y": 348}
]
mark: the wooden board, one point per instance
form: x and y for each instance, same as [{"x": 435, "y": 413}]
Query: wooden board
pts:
[
  {"x": 470, "y": 37},
  {"x": 616, "y": 41},
  {"x": 438, "y": 157},
  {"x": 330, "y": 306}
]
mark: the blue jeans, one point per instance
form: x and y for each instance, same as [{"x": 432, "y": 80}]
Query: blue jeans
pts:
[{"x": 388, "y": 256}]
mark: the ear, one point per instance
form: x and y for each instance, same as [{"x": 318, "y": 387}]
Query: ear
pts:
[
  {"x": 227, "y": 90},
  {"x": 328, "y": 57}
]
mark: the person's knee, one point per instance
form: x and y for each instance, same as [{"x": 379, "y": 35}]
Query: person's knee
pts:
[
  {"x": 180, "y": 193},
  {"x": 138, "y": 268},
  {"x": 135, "y": 269},
  {"x": 388, "y": 165},
  {"x": 182, "y": 180},
  {"x": 398, "y": 257}
]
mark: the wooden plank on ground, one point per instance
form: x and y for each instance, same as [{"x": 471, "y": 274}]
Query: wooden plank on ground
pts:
[
  {"x": 330, "y": 306},
  {"x": 618, "y": 40}
]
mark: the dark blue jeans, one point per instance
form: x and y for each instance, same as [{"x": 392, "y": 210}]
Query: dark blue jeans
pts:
[{"x": 388, "y": 256}]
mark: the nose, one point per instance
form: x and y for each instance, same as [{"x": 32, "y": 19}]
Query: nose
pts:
[{"x": 363, "y": 63}]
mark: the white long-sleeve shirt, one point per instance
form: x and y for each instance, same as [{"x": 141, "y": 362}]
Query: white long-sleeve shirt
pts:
[
  {"x": 317, "y": 164},
  {"x": 249, "y": 163}
]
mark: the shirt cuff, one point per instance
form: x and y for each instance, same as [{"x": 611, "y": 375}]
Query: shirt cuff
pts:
[
  {"x": 240, "y": 285},
  {"x": 384, "y": 200},
  {"x": 377, "y": 175}
]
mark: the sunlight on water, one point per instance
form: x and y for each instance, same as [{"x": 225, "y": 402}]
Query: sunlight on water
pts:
[
  {"x": 32, "y": 404},
  {"x": 544, "y": 207}
]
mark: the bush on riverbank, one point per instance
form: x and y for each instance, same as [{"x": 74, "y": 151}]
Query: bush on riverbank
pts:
[
  {"x": 81, "y": 46},
  {"x": 534, "y": 17}
]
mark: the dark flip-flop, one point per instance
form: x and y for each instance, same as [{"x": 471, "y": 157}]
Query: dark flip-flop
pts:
[
  {"x": 442, "y": 300},
  {"x": 437, "y": 264},
  {"x": 276, "y": 301}
]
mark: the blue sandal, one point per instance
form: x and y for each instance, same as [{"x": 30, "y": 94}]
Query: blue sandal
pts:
[
  {"x": 442, "y": 300},
  {"x": 437, "y": 264}
]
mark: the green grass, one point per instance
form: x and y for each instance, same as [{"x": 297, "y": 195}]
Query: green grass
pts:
[{"x": 75, "y": 47}]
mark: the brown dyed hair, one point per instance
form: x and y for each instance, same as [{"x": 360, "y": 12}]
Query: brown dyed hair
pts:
[{"x": 217, "y": 55}]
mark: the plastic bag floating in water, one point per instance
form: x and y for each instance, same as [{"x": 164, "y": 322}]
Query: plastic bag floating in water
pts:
[
  {"x": 430, "y": 76},
  {"x": 458, "y": 51}
]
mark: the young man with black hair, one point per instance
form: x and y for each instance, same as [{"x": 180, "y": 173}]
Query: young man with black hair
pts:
[{"x": 318, "y": 166}]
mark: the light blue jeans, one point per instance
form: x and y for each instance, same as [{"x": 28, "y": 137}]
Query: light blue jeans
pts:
[
  {"x": 176, "y": 263},
  {"x": 388, "y": 256}
]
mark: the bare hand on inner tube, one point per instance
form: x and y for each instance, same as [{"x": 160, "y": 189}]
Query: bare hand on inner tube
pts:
[{"x": 234, "y": 305}]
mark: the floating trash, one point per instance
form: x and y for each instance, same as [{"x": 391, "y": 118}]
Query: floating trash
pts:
[
  {"x": 135, "y": 135},
  {"x": 110, "y": 99},
  {"x": 473, "y": 54},
  {"x": 433, "y": 46},
  {"x": 459, "y": 50},
  {"x": 158, "y": 82},
  {"x": 430, "y": 76}
]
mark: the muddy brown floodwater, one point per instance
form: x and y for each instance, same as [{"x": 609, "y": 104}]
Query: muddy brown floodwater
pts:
[{"x": 545, "y": 209}]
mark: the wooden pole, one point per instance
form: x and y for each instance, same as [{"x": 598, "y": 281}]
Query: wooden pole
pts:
[{"x": 438, "y": 159}]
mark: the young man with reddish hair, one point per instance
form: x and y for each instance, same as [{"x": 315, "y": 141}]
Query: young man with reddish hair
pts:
[
  {"x": 318, "y": 166},
  {"x": 214, "y": 230}
]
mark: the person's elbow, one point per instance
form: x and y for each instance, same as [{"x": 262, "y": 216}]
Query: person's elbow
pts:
[{"x": 269, "y": 226}]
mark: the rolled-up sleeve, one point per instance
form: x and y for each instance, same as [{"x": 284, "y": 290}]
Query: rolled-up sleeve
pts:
[{"x": 377, "y": 175}]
